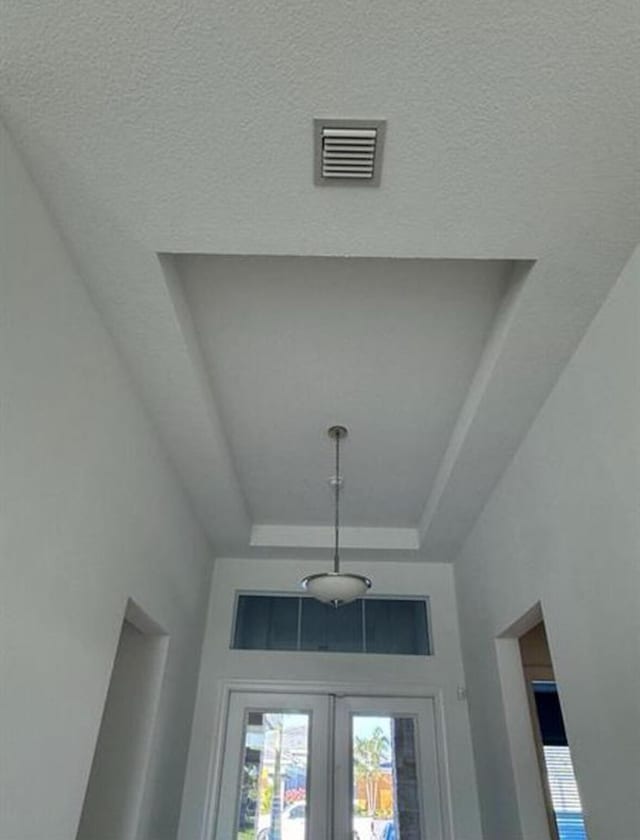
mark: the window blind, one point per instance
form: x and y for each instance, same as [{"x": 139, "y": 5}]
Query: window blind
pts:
[{"x": 298, "y": 623}]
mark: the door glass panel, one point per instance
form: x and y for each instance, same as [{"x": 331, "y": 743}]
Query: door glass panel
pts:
[
  {"x": 386, "y": 804},
  {"x": 274, "y": 776}
]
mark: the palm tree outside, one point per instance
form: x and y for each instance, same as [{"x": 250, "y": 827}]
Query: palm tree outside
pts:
[{"x": 370, "y": 754}]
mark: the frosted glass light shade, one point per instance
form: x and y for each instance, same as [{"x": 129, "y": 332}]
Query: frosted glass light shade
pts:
[{"x": 336, "y": 588}]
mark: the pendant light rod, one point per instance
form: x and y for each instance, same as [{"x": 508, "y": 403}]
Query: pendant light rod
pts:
[
  {"x": 336, "y": 587},
  {"x": 337, "y": 433},
  {"x": 336, "y": 553}
]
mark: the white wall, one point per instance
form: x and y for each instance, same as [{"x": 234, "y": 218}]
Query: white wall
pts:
[
  {"x": 112, "y": 803},
  {"x": 440, "y": 673},
  {"x": 91, "y": 515},
  {"x": 562, "y": 528}
]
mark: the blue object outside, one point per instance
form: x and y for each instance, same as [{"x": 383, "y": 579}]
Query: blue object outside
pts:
[{"x": 570, "y": 825}]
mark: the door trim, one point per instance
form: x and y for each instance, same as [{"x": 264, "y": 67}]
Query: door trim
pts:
[{"x": 338, "y": 689}]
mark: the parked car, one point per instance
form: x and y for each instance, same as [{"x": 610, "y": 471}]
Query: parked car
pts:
[{"x": 293, "y": 821}]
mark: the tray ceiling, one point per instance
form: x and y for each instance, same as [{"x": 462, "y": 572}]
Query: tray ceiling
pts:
[
  {"x": 186, "y": 128},
  {"x": 387, "y": 347}
]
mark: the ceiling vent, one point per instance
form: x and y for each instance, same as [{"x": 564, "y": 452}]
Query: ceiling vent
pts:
[{"x": 348, "y": 152}]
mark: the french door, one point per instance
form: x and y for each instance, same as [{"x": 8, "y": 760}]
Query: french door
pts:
[{"x": 322, "y": 767}]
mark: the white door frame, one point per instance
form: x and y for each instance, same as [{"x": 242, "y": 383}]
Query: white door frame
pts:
[
  {"x": 355, "y": 689},
  {"x": 422, "y": 711},
  {"x": 318, "y": 707}
]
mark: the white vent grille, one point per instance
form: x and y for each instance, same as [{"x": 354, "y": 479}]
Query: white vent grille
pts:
[{"x": 348, "y": 152}]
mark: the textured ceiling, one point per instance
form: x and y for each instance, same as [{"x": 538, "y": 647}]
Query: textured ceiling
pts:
[
  {"x": 186, "y": 127},
  {"x": 387, "y": 347},
  {"x": 502, "y": 118}
]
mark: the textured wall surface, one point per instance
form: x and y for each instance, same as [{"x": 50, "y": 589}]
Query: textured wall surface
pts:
[
  {"x": 92, "y": 515},
  {"x": 562, "y": 528}
]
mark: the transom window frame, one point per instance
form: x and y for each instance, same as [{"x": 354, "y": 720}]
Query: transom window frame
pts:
[{"x": 426, "y": 599}]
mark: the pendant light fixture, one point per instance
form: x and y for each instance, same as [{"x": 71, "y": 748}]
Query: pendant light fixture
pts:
[{"x": 336, "y": 587}]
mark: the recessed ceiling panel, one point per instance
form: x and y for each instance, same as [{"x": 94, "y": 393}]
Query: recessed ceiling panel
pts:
[{"x": 387, "y": 347}]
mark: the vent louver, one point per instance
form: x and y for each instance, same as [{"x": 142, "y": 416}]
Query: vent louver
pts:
[{"x": 348, "y": 152}]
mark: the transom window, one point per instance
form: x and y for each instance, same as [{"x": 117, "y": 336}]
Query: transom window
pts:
[{"x": 299, "y": 623}]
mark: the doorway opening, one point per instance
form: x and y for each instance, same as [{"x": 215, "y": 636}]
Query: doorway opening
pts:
[
  {"x": 114, "y": 795},
  {"x": 562, "y": 799}
]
